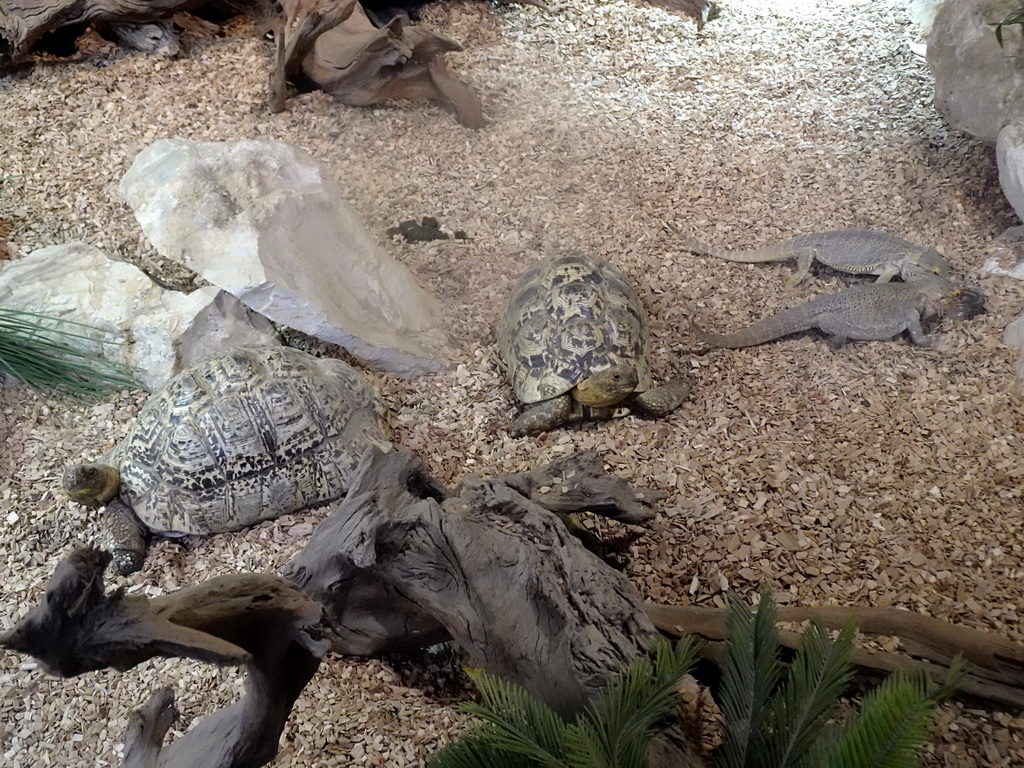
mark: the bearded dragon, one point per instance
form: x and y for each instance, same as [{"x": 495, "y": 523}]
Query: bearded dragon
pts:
[
  {"x": 866, "y": 312},
  {"x": 856, "y": 251}
]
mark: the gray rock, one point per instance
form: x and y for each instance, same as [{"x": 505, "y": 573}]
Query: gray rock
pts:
[
  {"x": 78, "y": 282},
  {"x": 1010, "y": 159},
  {"x": 979, "y": 87},
  {"x": 267, "y": 223},
  {"x": 1014, "y": 337},
  {"x": 223, "y": 324}
]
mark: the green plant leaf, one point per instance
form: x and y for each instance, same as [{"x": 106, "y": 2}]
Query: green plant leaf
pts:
[
  {"x": 518, "y": 723},
  {"x": 616, "y": 729},
  {"x": 54, "y": 357},
  {"x": 749, "y": 675},
  {"x": 894, "y": 721},
  {"x": 818, "y": 675}
]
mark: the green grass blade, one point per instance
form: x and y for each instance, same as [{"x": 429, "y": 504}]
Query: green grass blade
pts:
[
  {"x": 54, "y": 357},
  {"x": 817, "y": 677},
  {"x": 749, "y": 675}
]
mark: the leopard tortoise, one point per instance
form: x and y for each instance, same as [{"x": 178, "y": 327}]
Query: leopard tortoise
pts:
[
  {"x": 235, "y": 439},
  {"x": 575, "y": 344}
]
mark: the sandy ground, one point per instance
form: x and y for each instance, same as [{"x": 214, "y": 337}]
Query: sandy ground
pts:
[{"x": 879, "y": 474}]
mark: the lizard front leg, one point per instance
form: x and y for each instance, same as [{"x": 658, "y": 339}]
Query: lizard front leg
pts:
[{"x": 917, "y": 334}]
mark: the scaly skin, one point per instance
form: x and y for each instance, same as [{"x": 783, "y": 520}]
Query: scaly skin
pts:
[
  {"x": 603, "y": 396},
  {"x": 870, "y": 312},
  {"x": 855, "y": 251}
]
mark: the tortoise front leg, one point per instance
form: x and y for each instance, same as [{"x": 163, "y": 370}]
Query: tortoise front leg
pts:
[
  {"x": 125, "y": 537},
  {"x": 661, "y": 401},
  {"x": 541, "y": 417}
]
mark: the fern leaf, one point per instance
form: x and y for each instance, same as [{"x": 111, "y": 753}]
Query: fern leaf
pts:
[
  {"x": 518, "y": 723},
  {"x": 476, "y": 749},
  {"x": 616, "y": 729},
  {"x": 817, "y": 677},
  {"x": 894, "y": 721},
  {"x": 749, "y": 675}
]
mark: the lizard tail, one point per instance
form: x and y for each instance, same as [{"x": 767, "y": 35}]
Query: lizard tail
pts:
[
  {"x": 783, "y": 323},
  {"x": 753, "y": 256}
]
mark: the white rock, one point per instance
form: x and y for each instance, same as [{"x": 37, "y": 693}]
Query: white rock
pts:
[
  {"x": 267, "y": 223},
  {"x": 979, "y": 86},
  {"x": 78, "y": 282},
  {"x": 1010, "y": 160},
  {"x": 1014, "y": 337}
]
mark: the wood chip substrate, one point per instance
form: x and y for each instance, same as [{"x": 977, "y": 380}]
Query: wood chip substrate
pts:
[{"x": 880, "y": 474}]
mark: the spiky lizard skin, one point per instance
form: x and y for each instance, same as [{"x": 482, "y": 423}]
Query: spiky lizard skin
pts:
[
  {"x": 867, "y": 312},
  {"x": 855, "y": 251}
]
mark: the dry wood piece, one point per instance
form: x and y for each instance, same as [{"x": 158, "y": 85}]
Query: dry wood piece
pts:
[
  {"x": 360, "y": 64},
  {"x": 402, "y": 560},
  {"x": 699, "y": 10},
  {"x": 22, "y": 22},
  {"x": 259, "y": 620},
  {"x": 296, "y": 34},
  {"x": 995, "y": 665}
]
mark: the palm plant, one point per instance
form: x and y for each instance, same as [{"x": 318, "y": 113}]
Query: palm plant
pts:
[
  {"x": 52, "y": 356},
  {"x": 774, "y": 714},
  {"x": 1014, "y": 16}
]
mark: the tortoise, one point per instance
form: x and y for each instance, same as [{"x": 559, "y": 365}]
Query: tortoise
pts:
[
  {"x": 233, "y": 440},
  {"x": 574, "y": 342}
]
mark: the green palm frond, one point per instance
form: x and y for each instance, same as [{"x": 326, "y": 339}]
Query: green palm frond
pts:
[
  {"x": 616, "y": 729},
  {"x": 894, "y": 721},
  {"x": 1015, "y": 16},
  {"x": 477, "y": 749},
  {"x": 614, "y": 732},
  {"x": 518, "y": 723},
  {"x": 52, "y": 356},
  {"x": 750, "y": 673},
  {"x": 820, "y": 672}
]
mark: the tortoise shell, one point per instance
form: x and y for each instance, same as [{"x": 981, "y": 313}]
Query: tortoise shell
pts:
[
  {"x": 568, "y": 317},
  {"x": 247, "y": 436}
]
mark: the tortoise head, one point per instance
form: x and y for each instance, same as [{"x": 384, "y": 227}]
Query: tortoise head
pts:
[
  {"x": 607, "y": 387},
  {"x": 91, "y": 484}
]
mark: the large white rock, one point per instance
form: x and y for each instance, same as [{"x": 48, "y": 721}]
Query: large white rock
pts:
[
  {"x": 78, "y": 282},
  {"x": 266, "y": 222},
  {"x": 979, "y": 87},
  {"x": 1010, "y": 160}
]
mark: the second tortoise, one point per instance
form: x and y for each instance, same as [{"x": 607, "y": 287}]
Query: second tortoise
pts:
[
  {"x": 575, "y": 343},
  {"x": 234, "y": 440}
]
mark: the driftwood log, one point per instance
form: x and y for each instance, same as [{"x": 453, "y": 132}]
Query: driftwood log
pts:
[
  {"x": 994, "y": 665},
  {"x": 403, "y": 561},
  {"x": 261, "y": 621},
  {"x": 329, "y": 45}
]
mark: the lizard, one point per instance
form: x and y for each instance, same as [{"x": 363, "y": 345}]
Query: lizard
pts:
[
  {"x": 865, "y": 312},
  {"x": 855, "y": 251}
]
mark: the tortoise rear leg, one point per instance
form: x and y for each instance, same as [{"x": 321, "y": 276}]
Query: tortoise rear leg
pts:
[
  {"x": 125, "y": 536},
  {"x": 540, "y": 417},
  {"x": 661, "y": 401}
]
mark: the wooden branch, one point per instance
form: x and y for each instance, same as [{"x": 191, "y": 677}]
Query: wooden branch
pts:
[
  {"x": 360, "y": 64},
  {"x": 295, "y": 36},
  {"x": 488, "y": 567},
  {"x": 260, "y": 620},
  {"x": 579, "y": 483},
  {"x": 22, "y": 22},
  {"x": 995, "y": 665}
]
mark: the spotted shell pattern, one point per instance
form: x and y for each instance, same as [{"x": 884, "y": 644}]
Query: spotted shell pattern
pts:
[
  {"x": 568, "y": 317},
  {"x": 247, "y": 436}
]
